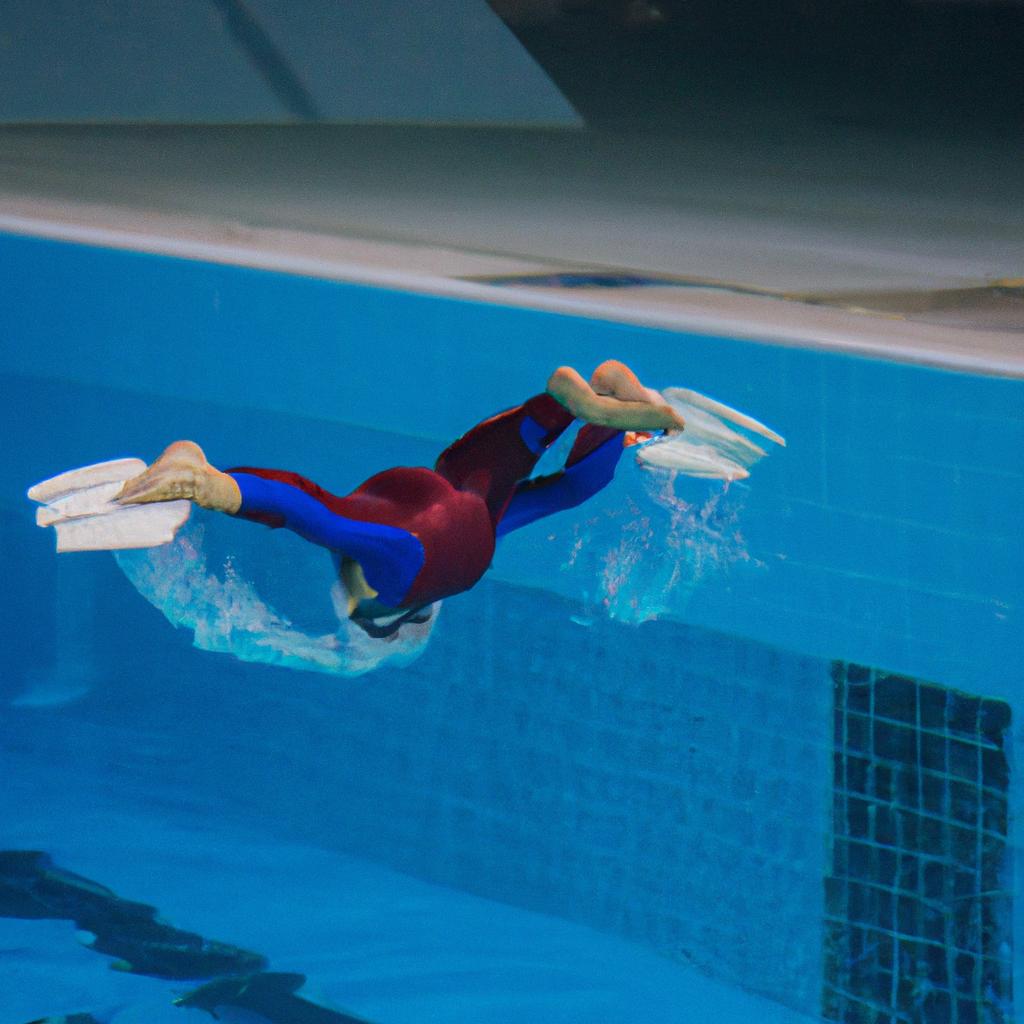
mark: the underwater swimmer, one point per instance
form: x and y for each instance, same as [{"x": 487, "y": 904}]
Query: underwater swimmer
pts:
[{"x": 410, "y": 536}]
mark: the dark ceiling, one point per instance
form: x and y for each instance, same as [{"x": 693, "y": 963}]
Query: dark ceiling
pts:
[{"x": 865, "y": 63}]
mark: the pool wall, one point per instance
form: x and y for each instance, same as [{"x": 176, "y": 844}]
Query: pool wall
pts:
[
  {"x": 671, "y": 781},
  {"x": 897, "y": 498}
]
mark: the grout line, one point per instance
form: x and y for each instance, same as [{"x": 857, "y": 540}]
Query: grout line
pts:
[
  {"x": 893, "y": 933},
  {"x": 973, "y": 740},
  {"x": 944, "y": 776},
  {"x": 899, "y": 891}
]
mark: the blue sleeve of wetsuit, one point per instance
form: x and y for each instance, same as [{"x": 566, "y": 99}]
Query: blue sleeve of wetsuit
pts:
[
  {"x": 543, "y": 496},
  {"x": 390, "y": 556}
]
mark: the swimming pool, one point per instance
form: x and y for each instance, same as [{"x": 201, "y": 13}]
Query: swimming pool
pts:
[{"x": 724, "y": 753}]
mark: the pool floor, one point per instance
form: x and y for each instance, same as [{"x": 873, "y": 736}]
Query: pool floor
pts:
[{"x": 372, "y": 942}]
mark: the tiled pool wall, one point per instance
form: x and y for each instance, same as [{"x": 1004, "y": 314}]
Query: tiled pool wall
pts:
[
  {"x": 920, "y": 892},
  {"x": 648, "y": 781},
  {"x": 684, "y": 782}
]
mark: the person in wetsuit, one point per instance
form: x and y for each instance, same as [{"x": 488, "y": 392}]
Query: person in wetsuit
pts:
[{"x": 410, "y": 536}]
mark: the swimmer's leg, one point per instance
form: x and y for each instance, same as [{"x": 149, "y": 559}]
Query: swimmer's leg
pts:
[
  {"x": 589, "y": 468},
  {"x": 613, "y": 401},
  {"x": 386, "y": 556},
  {"x": 376, "y": 560},
  {"x": 494, "y": 457}
]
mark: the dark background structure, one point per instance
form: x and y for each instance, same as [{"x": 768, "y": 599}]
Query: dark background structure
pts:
[{"x": 829, "y": 63}]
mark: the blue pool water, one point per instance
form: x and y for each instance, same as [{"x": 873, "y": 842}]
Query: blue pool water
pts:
[{"x": 621, "y": 781}]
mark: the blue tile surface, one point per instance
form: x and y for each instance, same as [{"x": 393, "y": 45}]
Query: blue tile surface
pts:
[{"x": 668, "y": 780}]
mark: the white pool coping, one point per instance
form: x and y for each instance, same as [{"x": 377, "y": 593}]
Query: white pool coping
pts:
[{"x": 442, "y": 271}]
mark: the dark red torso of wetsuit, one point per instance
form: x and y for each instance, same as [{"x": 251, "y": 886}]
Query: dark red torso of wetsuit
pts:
[
  {"x": 453, "y": 510},
  {"x": 453, "y": 526}
]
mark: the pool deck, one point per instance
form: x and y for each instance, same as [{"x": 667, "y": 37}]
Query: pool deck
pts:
[{"x": 905, "y": 249}]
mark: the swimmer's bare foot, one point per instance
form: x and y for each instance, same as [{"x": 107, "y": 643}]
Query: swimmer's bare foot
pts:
[
  {"x": 617, "y": 380},
  {"x": 614, "y": 398},
  {"x": 183, "y": 472}
]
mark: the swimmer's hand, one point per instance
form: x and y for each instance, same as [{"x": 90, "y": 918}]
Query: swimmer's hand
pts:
[
  {"x": 183, "y": 472},
  {"x": 613, "y": 398}
]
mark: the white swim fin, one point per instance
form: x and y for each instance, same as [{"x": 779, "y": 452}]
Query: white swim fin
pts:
[
  {"x": 708, "y": 447},
  {"x": 80, "y": 506},
  {"x": 684, "y": 396}
]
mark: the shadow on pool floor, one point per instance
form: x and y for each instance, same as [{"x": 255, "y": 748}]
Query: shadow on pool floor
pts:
[{"x": 33, "y": 887}]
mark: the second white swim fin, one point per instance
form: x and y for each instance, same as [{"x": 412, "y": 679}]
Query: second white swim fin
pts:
[
  {"x": 708, "y": 447},
  {"x": 80, "y": 506}
]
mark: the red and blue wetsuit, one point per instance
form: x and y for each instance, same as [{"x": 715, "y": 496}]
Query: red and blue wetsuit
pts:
[{"x": 421, "y": 534}]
